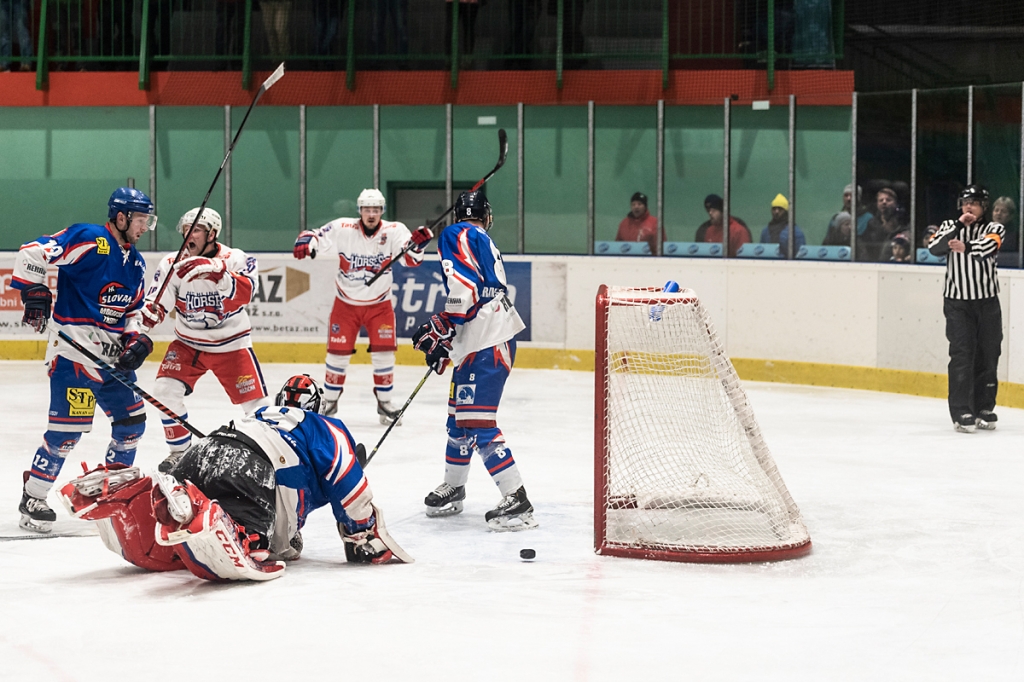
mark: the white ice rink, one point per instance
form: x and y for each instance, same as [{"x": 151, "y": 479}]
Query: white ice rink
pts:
[{"x": 916, "y": 572}]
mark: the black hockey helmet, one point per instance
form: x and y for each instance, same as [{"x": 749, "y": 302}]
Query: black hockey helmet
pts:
[
  {"x": 473, "y": 206},
  {"x": 302, "y": 392},
  {"x": 975, "y": 193}
]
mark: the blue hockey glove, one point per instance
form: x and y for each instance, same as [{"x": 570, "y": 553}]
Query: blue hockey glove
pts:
[
  {"x": 434, "y": 339},
  {"x": 136, "y": 348},
  {"x": 38, "y": 302}
]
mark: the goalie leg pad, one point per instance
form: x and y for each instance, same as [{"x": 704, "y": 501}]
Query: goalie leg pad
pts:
[
  {"x": 117, "y": 498},
  {"x": 211, "y": 546}
]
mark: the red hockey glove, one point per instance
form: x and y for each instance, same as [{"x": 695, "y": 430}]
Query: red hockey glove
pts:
[
  {"x": 420, "y": 237},
  {"x": 152, "y": 314},
  {"x": 305, "y": 245},
  {"x": 136, "y": 348},
  {"x": 212, "y": 269},
  {"x": 38, "y": 302}
]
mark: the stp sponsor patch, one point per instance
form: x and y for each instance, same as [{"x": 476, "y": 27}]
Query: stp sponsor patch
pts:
[
  {"x": 465, "y": 394},
  {"x": 81, "y": 402}
]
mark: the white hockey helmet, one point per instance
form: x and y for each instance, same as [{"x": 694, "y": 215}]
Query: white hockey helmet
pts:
[
  {"x": 211, "y": 219},
  {"x": 371, "y": 197}
]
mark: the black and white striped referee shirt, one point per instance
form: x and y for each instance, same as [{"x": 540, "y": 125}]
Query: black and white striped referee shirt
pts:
[{"x": 971, "y": 275}]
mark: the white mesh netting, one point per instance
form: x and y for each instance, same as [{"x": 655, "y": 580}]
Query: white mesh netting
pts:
[{"x": 686, "y": 469}]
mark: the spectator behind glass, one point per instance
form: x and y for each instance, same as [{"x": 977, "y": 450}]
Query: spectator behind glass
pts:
[
  {"x": 711, "y": 230},
  {"x": 1004, "y": 212},
  {"x": 14, "y": 15},
  {"x": 882, "y": 228},
  {"x": 899, "y": 249},
  {"x": 839, "y": 229},
  {"x": 863, "y": 216},
  {"x": 777, "y": 229},
  {"x": 639, "y": 225},
  {"x": 276, "y": 14},
  {"x": 389, "y": 20},
  {"x": 327, "y": 16}
]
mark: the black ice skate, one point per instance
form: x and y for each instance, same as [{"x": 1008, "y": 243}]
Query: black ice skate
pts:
[
  {"x": 36, "y": 515},
  {"x": 514, "y": 512},
  {"x": 445, "y": 500},
  {"x": 172, "y": 459},
  {"x": 987, "y": 420},
  {"x": 965, "y": 423}
]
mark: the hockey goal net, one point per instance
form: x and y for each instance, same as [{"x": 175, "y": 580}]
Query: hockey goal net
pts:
[{"x": 681, "y": 470}]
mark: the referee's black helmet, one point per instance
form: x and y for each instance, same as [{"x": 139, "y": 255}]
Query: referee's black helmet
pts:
[{"x": 974, "y": 193}]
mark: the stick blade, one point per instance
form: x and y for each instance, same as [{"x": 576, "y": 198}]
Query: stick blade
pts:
[
  {"x": 503, "y": 146},
  {"x": 273, "y": 78}
]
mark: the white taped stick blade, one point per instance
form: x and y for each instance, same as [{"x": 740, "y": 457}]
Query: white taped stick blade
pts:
[{"x": 274, "y": 77}]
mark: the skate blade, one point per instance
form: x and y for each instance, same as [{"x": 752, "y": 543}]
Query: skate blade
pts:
[
  {"x": 986, "y": 426},
  {"x": 959, "y": 428},
  {"x": 28, "y": 523},
  {"x": 506, "y": 524},
  {"x": 450, "y": 509},
  {"x": 386, "y": 420}
]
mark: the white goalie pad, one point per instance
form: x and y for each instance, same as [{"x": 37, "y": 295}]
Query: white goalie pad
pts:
[{"x": 209, "y": 545}]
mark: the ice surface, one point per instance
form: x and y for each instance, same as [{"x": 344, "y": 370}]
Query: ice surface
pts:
[{"x": 916, "y": 572}]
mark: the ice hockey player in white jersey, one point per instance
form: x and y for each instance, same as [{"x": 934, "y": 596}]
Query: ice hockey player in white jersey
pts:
[
  {"x": 476, "y": 333},
  {"x": 363, "y": 245},
  {"x": 233, "y": 507},
  {"x": 208, "y": 290},
  {"x": 100, "y": 282}
]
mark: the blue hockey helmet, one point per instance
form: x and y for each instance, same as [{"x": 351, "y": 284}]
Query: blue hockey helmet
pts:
[
  {"x": 129, "y": 200},
  {"x": 473, "y": 206}
]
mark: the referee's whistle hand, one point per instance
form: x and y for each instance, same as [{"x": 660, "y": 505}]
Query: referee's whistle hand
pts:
[{"x": 968, "y": 219}]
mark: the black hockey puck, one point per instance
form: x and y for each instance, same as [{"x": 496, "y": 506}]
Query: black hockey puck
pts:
[{"x": 527, "y": 554}]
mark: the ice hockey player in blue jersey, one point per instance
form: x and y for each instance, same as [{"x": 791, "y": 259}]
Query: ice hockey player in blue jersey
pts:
[
  {"x": 233, "y": 507},
  {"x": 476, "y": 333},
  {"x": 100, "y": 280}
]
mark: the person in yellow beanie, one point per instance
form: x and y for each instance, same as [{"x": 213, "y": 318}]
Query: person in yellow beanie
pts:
[{"x": 777, "y": 229}]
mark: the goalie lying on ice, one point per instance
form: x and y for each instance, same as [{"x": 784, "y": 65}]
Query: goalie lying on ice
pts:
[{"x": 233, "y": 507}]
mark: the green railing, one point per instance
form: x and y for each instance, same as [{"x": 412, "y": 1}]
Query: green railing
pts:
[{"x": 354, "y": 35}]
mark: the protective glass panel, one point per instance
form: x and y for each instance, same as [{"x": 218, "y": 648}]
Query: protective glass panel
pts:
[
  {"x": 822, "y": 172},
  {"x": 997, "y": 123},
  {"x": 265, "y": 179},
  {"x": 625, "y": 165},
  {"x": 339, "y": 161},
  {"x": 941, "y": 157},
  {"x": 555, "y": 179},
  {"x": 693, "y": 172},
  {"x": 760, "y": 169},
  {"x": 883, "y": 172},
  {"x": 475, "y": 152},
  {"x": 413, "y": 162},
  {"x": 60, "y": 165},
  {"x": 189, "y": 150}
]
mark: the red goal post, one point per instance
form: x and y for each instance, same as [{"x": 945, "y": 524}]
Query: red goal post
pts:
[{"x": 681, "y": 471}]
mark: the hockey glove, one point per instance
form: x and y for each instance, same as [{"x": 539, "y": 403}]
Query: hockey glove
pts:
[
  {"x": 420, "y": 237},
  {"x": 136, "y": 348},
  {"x": 152, "y": 314},
  {"x": 211, "y": 269},
  {"x": 434, "y": 339},
  {"x": 38, "y": 302},
  {"x": 305, "y": 245}
]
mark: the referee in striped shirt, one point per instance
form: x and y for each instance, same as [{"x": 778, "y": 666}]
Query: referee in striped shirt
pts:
[{"x": 974, "y": 320}]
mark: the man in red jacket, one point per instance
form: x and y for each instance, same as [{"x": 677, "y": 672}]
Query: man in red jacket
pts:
[{"x": 639, "y": 225}]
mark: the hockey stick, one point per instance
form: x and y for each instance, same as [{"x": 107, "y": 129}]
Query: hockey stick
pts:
[
  {"x": 503, "y": 146},
  {"x": 129, "y": 383},
  {"x": 271, "y": 79},
  {"x": 405, "y": 407}
]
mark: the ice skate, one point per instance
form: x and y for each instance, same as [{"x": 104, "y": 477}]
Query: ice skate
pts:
[
  {"x": 965, "y": 423},
  {"x": 36, "y": 515},
  {"x": 987, "y": 420},
  {"x": 514, "y": 512},
  {"x": 330, "y": 408},
  {"x": 170, "y": 461},
  {"x": 388, "y": 412},
  {"x": 445, "y": 500}
]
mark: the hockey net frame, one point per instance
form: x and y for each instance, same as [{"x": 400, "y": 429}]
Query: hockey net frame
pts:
[{"x": 636, "y": 514}]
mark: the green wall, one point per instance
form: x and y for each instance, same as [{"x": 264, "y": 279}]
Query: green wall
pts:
[{"x": 60, "y": 165}]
